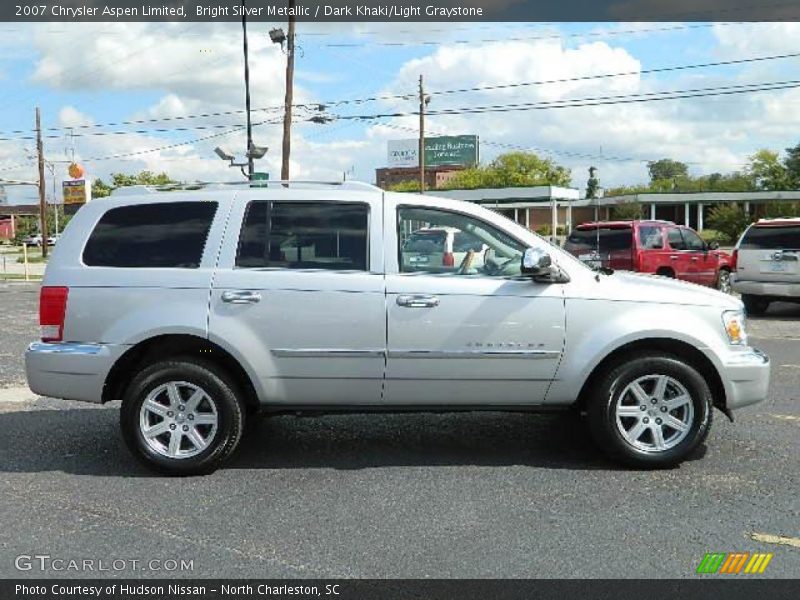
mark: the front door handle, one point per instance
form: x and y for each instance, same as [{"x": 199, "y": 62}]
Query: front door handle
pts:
[
  {"x": 418, "y": 301},
  {"x": 673, "y": 257},
  {"x": 241, "y": 297}
]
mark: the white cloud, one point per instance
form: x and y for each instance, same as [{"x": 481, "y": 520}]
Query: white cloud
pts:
[{"x": 197, "y": 69}]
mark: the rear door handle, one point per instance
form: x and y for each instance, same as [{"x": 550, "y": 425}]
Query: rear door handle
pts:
[
  {"x": 241, "y": 297},
  {"x": 418, "y": 301}
]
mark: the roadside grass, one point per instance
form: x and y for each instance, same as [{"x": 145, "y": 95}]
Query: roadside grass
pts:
[{"x": 18, "y": 277}]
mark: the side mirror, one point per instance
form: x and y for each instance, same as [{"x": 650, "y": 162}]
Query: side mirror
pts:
[
  {"x": 535, "y": 261},
  {"x": 713, "y": 246}
]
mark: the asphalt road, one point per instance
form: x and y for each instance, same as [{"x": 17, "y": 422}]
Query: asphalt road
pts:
[{"x": 468, "y": 495}]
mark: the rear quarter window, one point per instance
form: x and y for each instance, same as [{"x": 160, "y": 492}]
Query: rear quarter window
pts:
[
  {"x": 772, "y": 238},
  {"x": 168, "y": 235},
  {"x": 610, "y": 238}
]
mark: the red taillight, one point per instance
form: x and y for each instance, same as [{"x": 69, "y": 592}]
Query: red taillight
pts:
[
  {"x": 734, "y": 259},
  {"x": 52, "y": 310},
  {"x": 448, "y": 260}
]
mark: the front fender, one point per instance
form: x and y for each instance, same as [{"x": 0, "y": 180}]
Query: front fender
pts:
[{"x": 596, "y": 329}]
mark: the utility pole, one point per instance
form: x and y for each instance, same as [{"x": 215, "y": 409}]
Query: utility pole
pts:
[
  {"x": 42, "y": 198},
  {"x": 287, "y": 110},
  {"x": 250, "y": 163},
  {"x": 421, "y": 136}
]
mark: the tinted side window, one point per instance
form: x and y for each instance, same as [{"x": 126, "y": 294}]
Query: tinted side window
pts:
[
  {"x": 676, "y": 239},
  {"x": 772, "y": 238},
  {"x": 171, "y": 235},
  {"x": 610, "y": 239},
  {"x": 692, "y": 240},
  {"x": 650, "y": 237},
  {"x": 304, "y": 235}
]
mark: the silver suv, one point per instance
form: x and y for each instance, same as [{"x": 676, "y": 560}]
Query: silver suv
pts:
[
  {"x": 200, "y": 307},
  {"x": 767, "y": 262}
]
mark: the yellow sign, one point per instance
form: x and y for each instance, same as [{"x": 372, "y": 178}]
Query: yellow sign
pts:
[{"x": 75, "y": 192}]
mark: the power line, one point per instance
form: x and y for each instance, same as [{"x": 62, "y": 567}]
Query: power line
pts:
[
  {"x": 590, "y": 34},
  {"x": 322, "y": 104},
  {"x": 724, "y": 63},
  {"x": 597, "y": 101}
]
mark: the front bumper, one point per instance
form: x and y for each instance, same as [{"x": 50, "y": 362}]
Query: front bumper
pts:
[
  {"x": 70, "y": 371},
  {"x": 745, "y": 376}
]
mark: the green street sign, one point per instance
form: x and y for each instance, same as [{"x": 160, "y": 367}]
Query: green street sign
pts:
[{"x": 260, "y": 177}]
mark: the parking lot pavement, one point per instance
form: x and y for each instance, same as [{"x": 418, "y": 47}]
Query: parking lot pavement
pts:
[{"x": 466, "y": 495}]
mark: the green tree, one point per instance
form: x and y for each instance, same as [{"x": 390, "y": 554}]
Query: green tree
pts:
[
  {"x": 101, "y": 190},
  {"x": 728, "y": 219},
  {"x": 627, "y": 212},
  {"x": 514, "y": 169},
  {"x": 792, "y": 165},
  {"x": 666, "y": 169},
  {"x": 766, "y": 171}
]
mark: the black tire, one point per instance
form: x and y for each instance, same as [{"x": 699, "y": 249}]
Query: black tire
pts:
[
  {"x": 666, "y": 273},
  {"x": 755, "y": 305},
  {"x": 220, "y": 391},
  {"x": 602, "y": 411}
]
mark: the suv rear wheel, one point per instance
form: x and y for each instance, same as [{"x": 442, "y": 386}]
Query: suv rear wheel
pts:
[
  {"x": 182, "y": 417},
  {"x": 755, "y": 305},
  {"x": 651, "y": 411}
]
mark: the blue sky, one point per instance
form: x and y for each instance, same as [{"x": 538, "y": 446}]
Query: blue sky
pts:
[{"x": 83, "y": 75}]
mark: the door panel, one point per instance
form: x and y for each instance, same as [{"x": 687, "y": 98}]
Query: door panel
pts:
[
  {"x": 314, "y": 338},
  {"x": 483, "y": 340}
]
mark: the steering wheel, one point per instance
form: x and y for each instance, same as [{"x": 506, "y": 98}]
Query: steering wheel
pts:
[{"x": 466, "y": 263}]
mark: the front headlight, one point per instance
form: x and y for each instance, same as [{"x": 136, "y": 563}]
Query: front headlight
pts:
[{"x": 734, "y": 323}]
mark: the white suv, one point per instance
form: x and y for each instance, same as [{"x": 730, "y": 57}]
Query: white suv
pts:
[
  {"x": 767, "y": 262},
  {"x": 199, "y": 306}
]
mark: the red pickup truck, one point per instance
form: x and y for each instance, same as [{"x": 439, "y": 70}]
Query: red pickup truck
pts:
[{"x": 658, "y": 247}]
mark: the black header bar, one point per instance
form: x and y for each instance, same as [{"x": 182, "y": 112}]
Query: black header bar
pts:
[{"x": 400, "y": 11}]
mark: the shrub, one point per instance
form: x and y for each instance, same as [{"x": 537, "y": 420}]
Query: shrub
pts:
[
  {"x": 627, "y": 212},
  {"x": 712, "y": 235},
  {"x": 728, "y": 219}
]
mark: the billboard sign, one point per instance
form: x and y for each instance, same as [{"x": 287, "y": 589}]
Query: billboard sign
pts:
[
  {"x": 456, "y": 150},
  {"x": 76, "y": 192}
]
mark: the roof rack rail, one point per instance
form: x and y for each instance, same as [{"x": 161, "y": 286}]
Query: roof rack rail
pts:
[{"x": 209, "y": 185}]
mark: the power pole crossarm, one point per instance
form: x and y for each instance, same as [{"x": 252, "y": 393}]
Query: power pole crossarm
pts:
[{"x": 42, "y": 197}]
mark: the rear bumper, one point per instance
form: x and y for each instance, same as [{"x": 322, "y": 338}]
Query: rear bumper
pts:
[
  {"x": 746, "y": 378},
  {"x": 70, "y": 371},
  {"x": 759, "y": 288}
]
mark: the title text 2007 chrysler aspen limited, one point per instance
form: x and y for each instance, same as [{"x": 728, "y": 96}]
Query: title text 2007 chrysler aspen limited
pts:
[{"x": 198, "y": 307}]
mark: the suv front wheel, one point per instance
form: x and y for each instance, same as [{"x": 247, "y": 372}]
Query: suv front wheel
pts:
[
  {"x": 181, "y": 417},
  {"x": 651, "y": 411}
]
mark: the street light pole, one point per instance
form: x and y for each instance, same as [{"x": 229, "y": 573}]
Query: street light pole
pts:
[
  {"x": 287, "y": 110},
  {"x": 421, "y": 136},
  {"x": 250, "y": 163}
]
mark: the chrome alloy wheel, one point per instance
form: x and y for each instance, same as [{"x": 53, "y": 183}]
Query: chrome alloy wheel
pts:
[
  {"x": 724, "y": 282},
  {"x": 654, "y": 413},
  {"x": 178, "y": 420}
]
